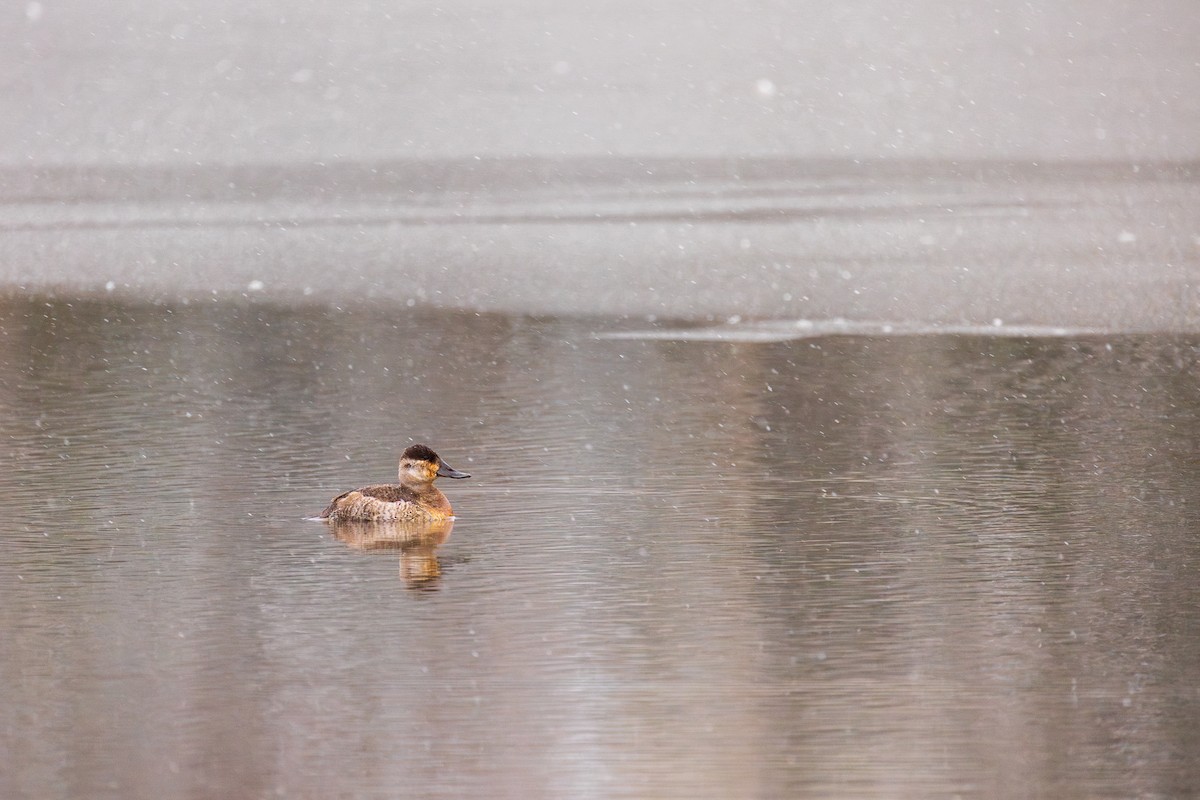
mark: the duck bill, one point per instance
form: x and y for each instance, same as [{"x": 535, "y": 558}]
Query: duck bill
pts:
[{"x": 446, "y": 471}]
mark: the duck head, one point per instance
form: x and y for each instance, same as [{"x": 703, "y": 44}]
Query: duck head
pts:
[{"x": 419, "y": 464}]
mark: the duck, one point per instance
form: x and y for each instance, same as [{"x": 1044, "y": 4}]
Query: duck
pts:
[{"x": 414, "y": 499}]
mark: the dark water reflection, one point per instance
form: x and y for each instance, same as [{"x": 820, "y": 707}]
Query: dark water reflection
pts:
[
  {"x": 417, "y": 545},
  {"x": 852, "y": 567}
]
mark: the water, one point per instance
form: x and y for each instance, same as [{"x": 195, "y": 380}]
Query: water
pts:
[
  {"x": 1083, "y": 244},
  {"x": 835, "y": 566}
]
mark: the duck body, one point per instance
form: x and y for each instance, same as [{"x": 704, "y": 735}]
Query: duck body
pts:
[
  {"x": 389, "y": 502},
  {"x": 414, "y": 499}
]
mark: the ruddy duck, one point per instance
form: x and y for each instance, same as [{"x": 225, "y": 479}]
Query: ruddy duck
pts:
[{"x": 414, "y": 499}]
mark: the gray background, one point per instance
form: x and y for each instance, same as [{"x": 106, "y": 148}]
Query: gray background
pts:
[
  {"x": 187, "y": 81},
  {"x": 760, "y": 158}
]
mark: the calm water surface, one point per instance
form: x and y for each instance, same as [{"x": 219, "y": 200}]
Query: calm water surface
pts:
[{"x": 918, "y": 566}]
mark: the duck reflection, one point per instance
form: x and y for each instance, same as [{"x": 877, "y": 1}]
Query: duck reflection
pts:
[{"x": 417, "y": 543}]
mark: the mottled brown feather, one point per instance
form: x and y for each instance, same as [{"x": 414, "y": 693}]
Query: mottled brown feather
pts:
[
  {"x": 333, "y": 504},
  {"x": 391, "y": 493},
  {"x": 389, "y": 501}
]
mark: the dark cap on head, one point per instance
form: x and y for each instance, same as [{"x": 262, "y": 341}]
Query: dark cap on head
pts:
[{"x": 420, "y": 452}]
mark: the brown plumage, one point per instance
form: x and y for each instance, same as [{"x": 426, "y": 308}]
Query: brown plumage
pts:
[{"x": 414, "y": 499}]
